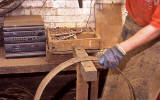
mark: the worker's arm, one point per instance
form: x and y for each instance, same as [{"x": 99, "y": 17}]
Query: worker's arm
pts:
[
  {"x": 143, "y": 36},
  {"x": 113, "y": 56}
]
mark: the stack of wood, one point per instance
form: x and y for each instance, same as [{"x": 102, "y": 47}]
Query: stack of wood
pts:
[{"x": 24, "y": 36}]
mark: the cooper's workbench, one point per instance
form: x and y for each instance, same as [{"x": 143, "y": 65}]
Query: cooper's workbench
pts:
[
  {"x": 26, "y": 65},
  {"x": 39, "y": 64}
]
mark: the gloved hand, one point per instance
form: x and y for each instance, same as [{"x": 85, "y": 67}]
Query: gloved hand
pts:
[{"x": 111, "y": 57}]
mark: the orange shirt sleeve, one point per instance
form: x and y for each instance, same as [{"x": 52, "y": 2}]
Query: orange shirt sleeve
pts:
[{"x": 155, "y": 22}]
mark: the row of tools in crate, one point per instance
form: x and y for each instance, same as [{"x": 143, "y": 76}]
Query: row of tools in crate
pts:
[{"x": 25, "y": 36}]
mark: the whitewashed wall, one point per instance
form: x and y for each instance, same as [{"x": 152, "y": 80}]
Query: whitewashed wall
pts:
[
  {"x": 124, "y": 11},
  {"x": 60, "y": 13}
]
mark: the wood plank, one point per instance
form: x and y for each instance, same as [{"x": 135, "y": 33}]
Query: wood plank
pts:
[
  {"x": 108, "y": 23},
  {"x": 71, "y": 51},
  {"x": 87, "y": 40},
  {"x": 23, "y": 21},
  {"x": 81, "y": 86},
  {"x": 69, "y": 44},
  {"x": 86, "y": 35},
  {"x": 30, "y": 65},
  {"x": 54, "y": 58},
  {"x": 49, "y": 40},
  {"x": 26, "y": 65},
  {"x": 88, "y": 69},
  {"x": 94, "y": 89}
]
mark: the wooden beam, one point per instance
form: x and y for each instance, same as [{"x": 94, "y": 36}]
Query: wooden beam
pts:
[
  {"x": 81, "y": 86},
  {"x": 94, "y": 89},
  {"x": 87, "y": 68}
]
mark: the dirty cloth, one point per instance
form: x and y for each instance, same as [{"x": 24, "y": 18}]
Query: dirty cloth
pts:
[{"x": 141, "y": 66}]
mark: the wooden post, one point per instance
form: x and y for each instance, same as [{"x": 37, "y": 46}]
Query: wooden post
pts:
[
  {"x": 81, "y": 86},
  {"x": 86, "y": 72},
  {"x": 94, "y": 89}
]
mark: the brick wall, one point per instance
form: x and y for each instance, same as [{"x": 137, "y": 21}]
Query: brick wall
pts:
[{"x": 57, "y": 13}]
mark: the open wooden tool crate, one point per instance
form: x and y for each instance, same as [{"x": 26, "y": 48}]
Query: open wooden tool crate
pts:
[{"x": 62, "y": 40}]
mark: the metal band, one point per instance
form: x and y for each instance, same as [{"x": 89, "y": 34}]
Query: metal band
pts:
[{"x": 68, "y": 63}]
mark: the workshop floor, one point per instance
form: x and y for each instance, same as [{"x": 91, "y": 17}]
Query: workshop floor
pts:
[{"x": 24, "y": 86}]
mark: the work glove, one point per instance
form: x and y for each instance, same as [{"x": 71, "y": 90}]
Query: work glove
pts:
[{"x": 111, "y": 57}]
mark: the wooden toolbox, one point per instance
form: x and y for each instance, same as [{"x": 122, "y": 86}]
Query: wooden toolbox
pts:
[{"x": 86, "y": 38}]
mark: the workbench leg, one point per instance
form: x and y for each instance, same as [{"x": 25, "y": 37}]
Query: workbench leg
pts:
[
  {"x": 81, "y": 86},
  {"x": 94, "y": 89},
  {"x": 86, "y": 72}
]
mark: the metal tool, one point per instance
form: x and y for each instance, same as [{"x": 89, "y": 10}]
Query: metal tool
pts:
[
  {"x": 68, "y": 63},
  {"x": 65, "y": 36}
]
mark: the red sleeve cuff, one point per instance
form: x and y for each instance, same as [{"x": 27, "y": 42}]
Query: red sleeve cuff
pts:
[{"x": 155, "y": 24}]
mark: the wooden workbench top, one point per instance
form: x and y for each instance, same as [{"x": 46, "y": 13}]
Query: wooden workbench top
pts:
[
  {"x": 24, "y": 65},
  {"x": 31, "y": 65}
]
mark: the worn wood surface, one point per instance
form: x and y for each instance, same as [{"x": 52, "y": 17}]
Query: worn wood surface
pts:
[
  {"x": 81, "y": 86},
  {"x": 86, "y": 72},
  {"x": 87, "y": 68},
  {"x": 108, "y": 23},
  {"x": 26, "y": 65},
  {"x": 87, "y": 40},
  {"x": 94, "y": 89},
  {"x": 71, "y": 52},
  {"x": 31, "y": 65},
  {"x": 53, "y": 58},
  {"x": 12, "y": 21}
]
